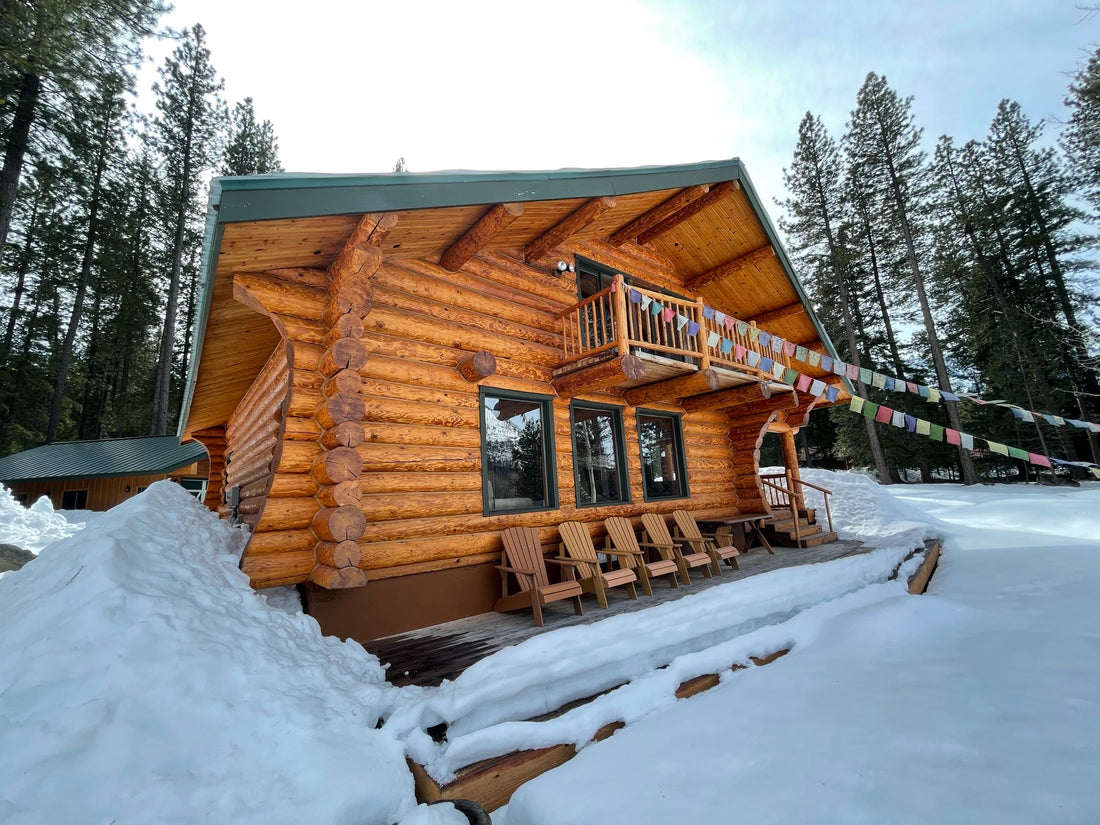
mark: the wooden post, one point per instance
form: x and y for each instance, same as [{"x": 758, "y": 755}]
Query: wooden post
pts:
[
  {"x": 790, "y": 455},
  {"x": 622, "y": 323}
]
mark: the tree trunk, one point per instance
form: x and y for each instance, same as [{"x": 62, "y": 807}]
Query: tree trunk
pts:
[{"x": 19, "y": 135}]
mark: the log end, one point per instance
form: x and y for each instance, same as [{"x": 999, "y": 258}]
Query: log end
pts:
[{"x": 337, "y": 578}]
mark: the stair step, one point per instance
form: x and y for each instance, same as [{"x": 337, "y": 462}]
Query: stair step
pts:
[{"x": 819, "y": 539}]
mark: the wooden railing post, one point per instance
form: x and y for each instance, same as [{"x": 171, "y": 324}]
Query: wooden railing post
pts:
[
  {"x": 622, "y": 323},
  {"x": 704, "y": 354}
]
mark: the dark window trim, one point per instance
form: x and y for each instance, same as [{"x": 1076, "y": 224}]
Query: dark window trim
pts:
[
  {"x": 681, "y": 452},
  {"x": 619, "y": 437},
  {"x": 70, "y": 494},
  {"x": 549, "y": 457},
  {"x": 601, "y": 271}
]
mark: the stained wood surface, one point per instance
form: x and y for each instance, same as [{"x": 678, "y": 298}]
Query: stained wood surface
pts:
[{"x": 432, "y": 654}]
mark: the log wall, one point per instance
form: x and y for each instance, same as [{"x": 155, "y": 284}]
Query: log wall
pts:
[{"x": 377, "y": 469}]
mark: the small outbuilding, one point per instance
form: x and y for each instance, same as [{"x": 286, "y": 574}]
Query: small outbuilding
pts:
[{"x": 97, "y": 475}]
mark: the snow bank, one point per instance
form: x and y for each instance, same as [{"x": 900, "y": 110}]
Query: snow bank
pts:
[
  {"x": 144, "y": 681},
  {"x": 33, "y": 528}
]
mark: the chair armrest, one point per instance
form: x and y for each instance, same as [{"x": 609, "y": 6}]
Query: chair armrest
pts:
[
  {"x": 612, "y": 552},
  {"x": 561, "y": 561}
]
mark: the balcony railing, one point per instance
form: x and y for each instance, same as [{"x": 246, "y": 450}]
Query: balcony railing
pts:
[{"x": 627, "y": 319}]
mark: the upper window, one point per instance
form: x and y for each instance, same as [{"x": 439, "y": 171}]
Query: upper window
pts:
[
  {"x": 661, "y": 441},
  {"x": 517, "y": 451},
  {"x": 599, "y": 464}
]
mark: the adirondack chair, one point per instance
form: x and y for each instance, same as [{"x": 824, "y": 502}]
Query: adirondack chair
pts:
[
  {"x": 576, "y": 542},
  {"x": 620, "y": 536},
  {"x": 688, "y": 532},
  {"x": 523, "y": 554},
  {"x": 656, "y": 531}
]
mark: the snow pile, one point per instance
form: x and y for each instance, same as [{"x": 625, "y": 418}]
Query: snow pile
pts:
[
  {"x": 985, "y": 691},
  {"x": 863, "y": 509},
  {"x": 34, "y": 528},
  {"x": 144, "y": 681}
]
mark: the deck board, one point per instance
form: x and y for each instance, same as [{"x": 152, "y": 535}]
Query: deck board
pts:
[{"x": 429, "y": 655}]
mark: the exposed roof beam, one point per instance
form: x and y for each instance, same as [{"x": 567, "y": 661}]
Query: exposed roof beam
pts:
[
  {"x": 657, "y": 214},
  {"x": 488, "y": 226},
  {"x": 371, "y": 230},
  {"x": 571, "y": 224},
  {"x": 716, "y": 193},
  {"x": 600, "y": 376},
  {"x": 779, "y": 313},
  {"x": 734, "y": 267},
  {"x": 681, "y": 386},
  {"x": 736, "y": 397}
]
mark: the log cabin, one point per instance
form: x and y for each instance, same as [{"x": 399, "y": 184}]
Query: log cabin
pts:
[
  {"x": 97, "y": 475},
  {"x": 392, "y": 369}
]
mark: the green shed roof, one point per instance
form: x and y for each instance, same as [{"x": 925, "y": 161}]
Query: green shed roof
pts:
[{"x": 101, "y": 459}]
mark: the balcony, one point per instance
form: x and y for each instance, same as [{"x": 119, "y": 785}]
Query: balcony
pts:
[{"x": 657, "y": 347}]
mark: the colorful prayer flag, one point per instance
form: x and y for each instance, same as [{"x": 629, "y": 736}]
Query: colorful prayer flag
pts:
[
  {"x": 777, "y": 344},
  {"x": 1016, "y": 452},
  {"x": 730, "y": 322},
  {"x": 727, "y": 345},
  {"x": 667, "y": 314},
  {"x": 998, "y": 447},
  {"x": 1041, "y": 460},
  {"x": 635, "y": 296},
  {"x": 884, "y": 415},
  {"x": 693, "y": 328},
  {"x": 817, "y": 387},
  {"x": 766, "y": 364},
  {"x": 910, "y": 423},
  {"x": 935, "y": 432},
  {"x": 681, "y": 321},
  {"x": 789, "y": 349},
  {"x": 713, "y": 339},
  {"x": 909, "y": 385},
  {"x": 952, "y": 436},
  {"x": 646, "y": 301},
  {"x": 764, "y": 338},
  {"x": 839, "y": 367},
  {"x": 933, "y": 395},
  {"x": 655, "y": 308},
  {"x": 800, "y": 353},
  {"x": 778, "y": 369},
  {"x": 865, "y": 375},
  {"x": 852, "y": 371},
  {"x": 870, "y": 409},
  {"x": 813, "y": 358},
  {"x": 826, "y": 363},
  {"x": 719, "y": 317},
  {"x": 923, "y": 427},
  {"x": 889, "y": 383},
  {"x": 754, "y": 333},
  {"x": 803, "y": 383},
  {"x": 856, "y": 404},
  {"x": 752, "y": 358},
  {"x": 790, "y": 376},
  {"x": 878, "y": 380},
  {"x": 898, "y": 419},
  {"x": 738, "y": 352},
  {"x": 708, "y": 313},
  {"x": 949, "y": 396},
  {"x": 831, "y": 394},
  {"x": 967, "y": 441}
]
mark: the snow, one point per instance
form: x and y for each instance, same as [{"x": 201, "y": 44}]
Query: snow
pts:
[
  {"x": 975, "y": 703},
  {"x": 34, "y": 527},
  {"x": 143, "y": 675}
]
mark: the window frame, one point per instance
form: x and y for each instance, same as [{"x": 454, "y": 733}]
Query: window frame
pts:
[
  {"x": 618, "y": 435},
  {"x": 75, "y": 493},
  {"x": 678, "y": 443},
  {"x": 549, "y": 458}
]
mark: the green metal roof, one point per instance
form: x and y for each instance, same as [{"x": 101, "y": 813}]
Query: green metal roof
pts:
[
  {"x": 301, "y": 195},
  {"x": 101, "y": 459}
]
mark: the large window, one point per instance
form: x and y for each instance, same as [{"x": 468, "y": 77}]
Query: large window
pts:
[
  {"x": 74, "y": 499},
  {"x": 517, "y": 451},
  {"x": 598, "y": 461},
  {"x": 664, "y": 474}
]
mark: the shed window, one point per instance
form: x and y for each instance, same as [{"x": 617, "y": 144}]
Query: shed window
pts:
[
  {"x": 661, "y": 442},
  {"x": 598, "y": 455},
  {"x": 74, "y": 500},
  {"x": 517, "y": 452}
]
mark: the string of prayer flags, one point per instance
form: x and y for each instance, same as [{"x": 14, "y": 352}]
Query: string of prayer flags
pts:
[{"x": 814, "y": 358}]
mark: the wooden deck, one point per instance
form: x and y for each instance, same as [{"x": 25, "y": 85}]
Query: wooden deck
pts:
[{"x": 432, "y": 654}]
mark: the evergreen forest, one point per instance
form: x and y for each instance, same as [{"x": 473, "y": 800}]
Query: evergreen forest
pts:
[{"x": 972, "y": 268}]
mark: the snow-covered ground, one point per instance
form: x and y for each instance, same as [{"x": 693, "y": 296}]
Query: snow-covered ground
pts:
[{"x": 144, "y": 681}]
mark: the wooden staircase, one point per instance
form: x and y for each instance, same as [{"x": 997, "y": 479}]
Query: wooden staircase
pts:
[
  {"x": 780, "y": 529},
  {"x": 791, "y": 523}
]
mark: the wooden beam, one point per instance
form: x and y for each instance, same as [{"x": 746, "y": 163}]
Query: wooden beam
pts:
[
  {"x": 779, "y": 313},
  {"x": 478, "y": 366},
  {"x": 716, "y": 193},
  {"x": 682, "y": 386},
  {"x": 734, "y": 267},
  {"x": 598, "y": 376},
  {"x": 782, "y": 401},
  {"x": 733, "y": 397},
  {"x": 488, "y": 226},
  {"x": 371, "y": 230},
  {"x": 571, "y": 224},
  {"x": 657, "y": 214}
]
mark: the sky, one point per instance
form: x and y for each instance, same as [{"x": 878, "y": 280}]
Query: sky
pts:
[{"x": 353, "y": 85}]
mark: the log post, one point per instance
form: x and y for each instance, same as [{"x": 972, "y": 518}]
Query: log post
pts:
[{"x": 479, "y": 365}]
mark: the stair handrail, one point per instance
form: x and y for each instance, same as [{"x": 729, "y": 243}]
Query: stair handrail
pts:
[
  {"x": 825, "y": 494},
  {"x": 792, "y": 496}
]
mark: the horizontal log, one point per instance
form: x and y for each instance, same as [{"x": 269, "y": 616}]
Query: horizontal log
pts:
[
  {"x": 694, "y": 383},
  {"x": 282, "y": 541},
  {"x": 419, "y": 353},
  {"x": 517, "y": 276},
  {"x": 287, "y": 513},
  {"x": 303, "y": 379},
  {"x": 717, "y": 192},
  {"x": 394, "y": 457},
  {"x": 467, "y": 397},
  {"x": 395, "y": 506},
  {"x": 401, "y": 323},
  {"x": 343, "y": 354},
  {"x": 292, "y": 485},
  {"x": 279, "y": 569},
  {"x": 303, "y": 330},
  {"x": 608, "y": 373},
  {"x": 571, "y": 224},
  {"x": 344, "y": 434},
  {"x": 346, "y": 493},
  {"x": 268, "y": 294},
  {"x": 337, "y": 465},
  {"x": 392, "y": 433},
  {"x": 339, "y": 523},
  {"x": 339, "y": 553},
  {"x": 301, "y": 429},
  {"x": 337, "y": 578},
  {"x": 297, "y": 457},
  {"x": 344, "y": 406},
  {"x": 658, "y": 213},
  {"x": 415, "y": 412},
  {"x": 416, "y": 482}
]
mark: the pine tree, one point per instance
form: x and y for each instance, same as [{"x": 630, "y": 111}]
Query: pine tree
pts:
[
  {"x": 814, "y": 210},
  {"x": 252, "y": 148},
  {"x": 884, "y": 143},
  {"x": 1081, "y": 138},
  {"x": 191, "y": 119}
]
